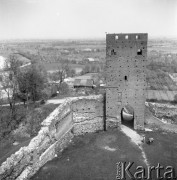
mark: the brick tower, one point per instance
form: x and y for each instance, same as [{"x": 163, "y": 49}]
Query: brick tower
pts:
[{"x": 126, "y": 58}]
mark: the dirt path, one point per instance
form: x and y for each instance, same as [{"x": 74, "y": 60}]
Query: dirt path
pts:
[{"x": 55, "y": 101}]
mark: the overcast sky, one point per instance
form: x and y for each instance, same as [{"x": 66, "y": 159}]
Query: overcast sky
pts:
[{"x": 86, "y": 18}]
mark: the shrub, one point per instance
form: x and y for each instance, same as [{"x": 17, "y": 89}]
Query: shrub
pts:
[
  {"x": 7, "y": 124},
  {"x": 36, "y": 116}
]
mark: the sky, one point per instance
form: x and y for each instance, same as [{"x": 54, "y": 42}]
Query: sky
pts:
[{"x": 70, "y": 19}]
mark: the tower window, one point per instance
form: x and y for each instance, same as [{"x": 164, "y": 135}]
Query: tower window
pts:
[
  {"x": 139, "y": 52},
  {"x": 137, "y": 37},
  {"x": 125, "y": 78},
  {"x": 116, "y": 37}
]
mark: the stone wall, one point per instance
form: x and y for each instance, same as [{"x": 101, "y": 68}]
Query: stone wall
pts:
[{"x": 73, "y": 117}]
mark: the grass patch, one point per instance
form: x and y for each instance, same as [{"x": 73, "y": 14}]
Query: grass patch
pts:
[
  {"x": 27, "y": 122},
  {"x": 36, "y": 116}
]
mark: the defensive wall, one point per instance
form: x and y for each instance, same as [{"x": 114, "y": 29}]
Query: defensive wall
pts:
[{"x": 73, "y": 117}]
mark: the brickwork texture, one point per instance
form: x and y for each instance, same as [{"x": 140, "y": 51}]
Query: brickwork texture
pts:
[{"x": 126, "y": 59}]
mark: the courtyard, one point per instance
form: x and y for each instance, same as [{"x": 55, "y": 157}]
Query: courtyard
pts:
[{"x": 94, "y": 156}]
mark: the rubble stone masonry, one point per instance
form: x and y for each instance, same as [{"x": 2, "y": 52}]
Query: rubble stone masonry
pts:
[{"x": 75, "y": 116}]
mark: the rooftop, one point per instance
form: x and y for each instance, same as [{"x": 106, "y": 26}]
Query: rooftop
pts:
[{"x": 83, "y": 82}]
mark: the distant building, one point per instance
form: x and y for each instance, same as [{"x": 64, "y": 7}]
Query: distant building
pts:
[
  {"x": 64, "y": 52},
  {"x": 83, "y": 83},
  {"x": 90, "y": 59},
  {"x": 86, "y": 83},
  {"x": 92, "y": 76},
  {"x": 87, "y": 50},
  {"x": 69, "y": 81}
]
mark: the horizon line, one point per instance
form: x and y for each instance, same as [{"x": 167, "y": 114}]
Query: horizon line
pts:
[{"x": 78, "y": 38}]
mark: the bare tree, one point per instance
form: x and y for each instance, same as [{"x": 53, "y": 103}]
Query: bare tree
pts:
[{"x": 63, "y": 71}]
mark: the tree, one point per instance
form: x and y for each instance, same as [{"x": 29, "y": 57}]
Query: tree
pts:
[
  {"x": 97, "y": 69},
  {"x": 93, "y": 68},
  {"x": 1, "y": 99},
  {"x": 9, "y": 82},
  {"x": 23, "y": 82},
  {"x": 63, "y": 88},
  {"x": 175, "y": 98},
  {"x": 85, "y": 70},
  {"x": 36, "y": 82},
  {"x": 62, "y": 72},
  {"x": 32, "y": 82},
  {"x": 73, "y": 61},
  {"x": 71, "y": 73}
]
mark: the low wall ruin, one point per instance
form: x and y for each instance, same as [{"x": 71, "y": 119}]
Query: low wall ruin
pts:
[
  {"x": 75, "y": 116},
  {"x": 166, "y": 112}
]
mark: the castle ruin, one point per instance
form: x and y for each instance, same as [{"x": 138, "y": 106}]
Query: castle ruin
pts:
[{"x": 126, "y": 58}]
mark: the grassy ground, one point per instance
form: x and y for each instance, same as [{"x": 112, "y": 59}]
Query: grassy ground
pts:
[
  {"x": 94, "y": 156},
  {"x": 9, "y": 149},
  {"x": 31, "y": 123},
  {"x": 163, "y": 150},
  {"x": 87, "y": 158}
]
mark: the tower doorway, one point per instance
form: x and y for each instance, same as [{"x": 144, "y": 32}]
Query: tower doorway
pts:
[{"x": 127, "y": 116}]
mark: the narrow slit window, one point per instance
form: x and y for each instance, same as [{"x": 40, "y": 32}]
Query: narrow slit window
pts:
[
  {"x": 113, "y": 52},
  {"x": 125, "y": 78},
  {"x": 139, "y": 52}
]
